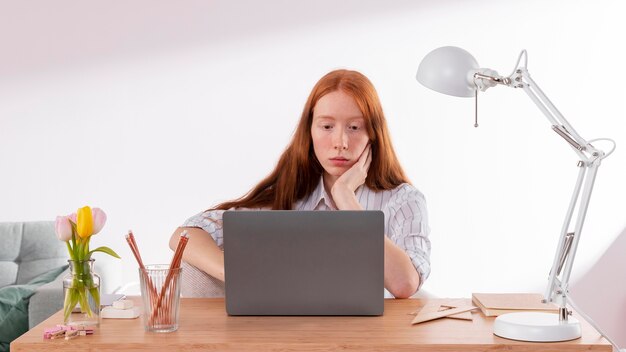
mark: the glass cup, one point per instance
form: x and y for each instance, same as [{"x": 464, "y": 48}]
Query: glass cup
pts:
[{"x": 160, "y": 293}]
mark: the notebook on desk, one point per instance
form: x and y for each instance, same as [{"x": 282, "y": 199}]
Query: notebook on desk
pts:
[
  {"x": 304, "y": 262},
  {"x": 495, "y": 304}
]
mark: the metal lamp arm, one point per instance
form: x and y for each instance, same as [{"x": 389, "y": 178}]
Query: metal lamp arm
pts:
[
  {"x": 560, "y": 125},
  {"x": 590, "y": 159}
]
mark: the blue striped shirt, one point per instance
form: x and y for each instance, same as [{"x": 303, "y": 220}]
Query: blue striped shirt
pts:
[{"x": 406, "y": 219}]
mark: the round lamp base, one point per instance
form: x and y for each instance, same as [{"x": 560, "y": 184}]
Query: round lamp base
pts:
[{"x": 536, "y": 327}]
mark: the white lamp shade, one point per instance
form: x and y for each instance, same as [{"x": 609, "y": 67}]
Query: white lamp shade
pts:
[{"x": 448, "y": 70}]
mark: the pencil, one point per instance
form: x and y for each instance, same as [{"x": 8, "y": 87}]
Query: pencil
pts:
[
  {"x": 174, "y": 266},
  {"x": 130, "y": 238}
]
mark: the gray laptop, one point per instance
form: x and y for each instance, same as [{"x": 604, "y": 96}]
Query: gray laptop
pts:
[{"x": 304, "y": 262}]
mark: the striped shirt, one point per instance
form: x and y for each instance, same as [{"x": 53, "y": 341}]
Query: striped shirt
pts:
[{"x": 406, "y": 219}]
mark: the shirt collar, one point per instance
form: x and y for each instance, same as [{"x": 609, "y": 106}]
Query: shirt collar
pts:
[{"x": 320, "y": 194}]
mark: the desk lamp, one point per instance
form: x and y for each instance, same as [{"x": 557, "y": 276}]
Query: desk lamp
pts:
[{"x": 453, "y": 71}]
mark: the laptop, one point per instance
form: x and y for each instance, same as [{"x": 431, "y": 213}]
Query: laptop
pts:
[{"x": 304, "y": 262}]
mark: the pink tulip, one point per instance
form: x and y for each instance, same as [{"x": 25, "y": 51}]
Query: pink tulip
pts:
[
  {"x": 72, "y": 217},
  {"x": 99, "y": 219},
  {"x": 63, "y": 228}
]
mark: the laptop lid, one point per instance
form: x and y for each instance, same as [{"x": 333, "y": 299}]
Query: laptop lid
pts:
[{"x": 304, "y": 262}]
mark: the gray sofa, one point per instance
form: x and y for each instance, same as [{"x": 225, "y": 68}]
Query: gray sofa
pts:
[
  {"x": 30, "y": 249},
  {"x": 27, "y": 250}
]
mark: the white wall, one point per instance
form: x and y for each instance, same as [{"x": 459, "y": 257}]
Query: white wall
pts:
[{"x": 156, "y": 110}]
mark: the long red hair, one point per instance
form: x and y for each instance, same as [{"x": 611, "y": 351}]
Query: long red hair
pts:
[{"x": 298, "y": 171}]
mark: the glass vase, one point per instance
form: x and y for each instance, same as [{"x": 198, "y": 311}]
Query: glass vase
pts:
[{"x": 81, "y": 287}]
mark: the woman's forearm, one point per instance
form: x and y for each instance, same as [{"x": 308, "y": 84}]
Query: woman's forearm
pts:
[
  {"x": 201, "y": 251},
  {"x": 401, "y": 278}
]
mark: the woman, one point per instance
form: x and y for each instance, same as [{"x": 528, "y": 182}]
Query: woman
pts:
[{"x": 340, "y": 158}]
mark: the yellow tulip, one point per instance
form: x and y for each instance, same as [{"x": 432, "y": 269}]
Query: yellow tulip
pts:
[{"x": 84, "y": 222}]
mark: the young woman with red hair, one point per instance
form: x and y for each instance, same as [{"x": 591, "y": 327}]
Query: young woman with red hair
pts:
[{"x": 340, "y": 158}]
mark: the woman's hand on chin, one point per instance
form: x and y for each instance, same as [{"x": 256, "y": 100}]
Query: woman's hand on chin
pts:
[{"x": 345, "y": 186}]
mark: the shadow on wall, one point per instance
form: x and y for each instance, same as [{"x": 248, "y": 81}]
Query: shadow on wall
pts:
[
  {"x": 42, "y": 36},
  {"x": 601, "y": 292}
]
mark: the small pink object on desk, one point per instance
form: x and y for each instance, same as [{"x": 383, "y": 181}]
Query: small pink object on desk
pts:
[{"x": 67, "y": 331}]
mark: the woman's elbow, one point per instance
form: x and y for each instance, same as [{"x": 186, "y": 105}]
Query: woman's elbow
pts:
[
  {"x": 405, "y": 289},
  {"x": 403, "y": 292}
]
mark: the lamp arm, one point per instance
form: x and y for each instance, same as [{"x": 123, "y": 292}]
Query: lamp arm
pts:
[
  {"x": 587, "y": 152},
  {"x": 558, "y": 283},
  {"x": 559, "y": 118},
  {"x": 590, "y": 159}
]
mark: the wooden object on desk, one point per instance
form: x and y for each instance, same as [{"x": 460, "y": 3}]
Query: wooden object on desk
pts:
[
  {"x": 438, "y": 306},
  {"x": 420, "y": 318},
  {"x": 461, "y": 316},
  {"x": 204, "y": 325},
  {"x": 494, "y": 304}
]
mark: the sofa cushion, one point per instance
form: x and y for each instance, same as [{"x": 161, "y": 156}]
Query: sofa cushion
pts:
[
  {"x": 8, "y": 273},
  {"x": 27, "y": 250},
  {"x": 9, "y": 251},
  {"x": 11, "y": 239},
  {"x": 47, "y": 300},
  {"x": 14, "y": 300},
  {"x": 40, "y": 250}
]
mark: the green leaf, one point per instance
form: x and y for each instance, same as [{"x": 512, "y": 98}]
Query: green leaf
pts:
[
  {"x": 86, "y": 253},
  {"x": 69, "y": 249},
  {"x": 79, "y": 250},
  {"x": 74, "y": 241},
  {"x": 95, "y": 293},
  {"x": 71, "y": 299},
  {"x": 84, "y": 302},
  {"x": 106, "y": 250}
]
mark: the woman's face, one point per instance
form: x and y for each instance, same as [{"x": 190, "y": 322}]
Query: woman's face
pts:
[{"x": 339, "y": 132}]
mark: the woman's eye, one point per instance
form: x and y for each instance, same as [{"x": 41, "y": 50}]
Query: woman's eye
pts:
[
  {"x": 354, "y": 128},
  {"x": 327, "y": 127}
]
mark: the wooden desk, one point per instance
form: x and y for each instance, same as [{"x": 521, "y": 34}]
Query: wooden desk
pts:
[{"x": 204, "y": 325}]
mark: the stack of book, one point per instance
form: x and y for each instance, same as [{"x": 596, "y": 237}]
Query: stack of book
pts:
[{"x": 494, "y": 304}]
